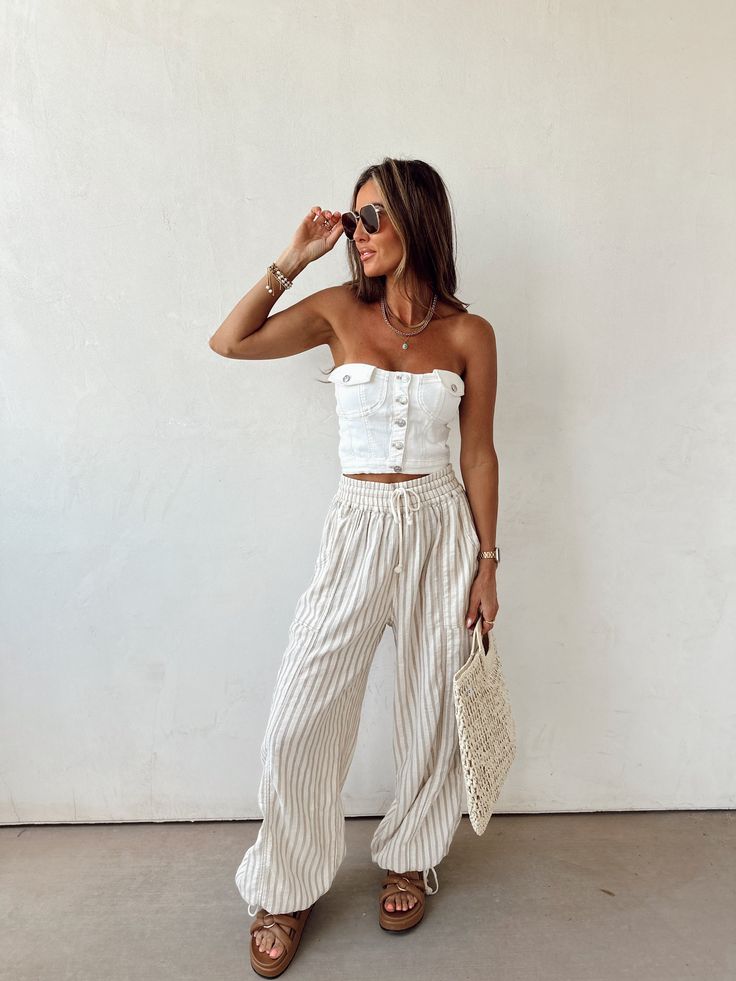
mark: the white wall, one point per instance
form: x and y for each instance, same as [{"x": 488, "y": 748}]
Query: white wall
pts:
[{"x": 162, "y": 506}]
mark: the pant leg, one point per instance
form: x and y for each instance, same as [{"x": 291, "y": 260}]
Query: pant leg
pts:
[
  {"x": 432, "y": 642},
  {"x": 314, "y": 717}
]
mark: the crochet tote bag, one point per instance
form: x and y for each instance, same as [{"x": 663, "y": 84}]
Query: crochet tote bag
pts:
[{"x": 485, "y": 727}]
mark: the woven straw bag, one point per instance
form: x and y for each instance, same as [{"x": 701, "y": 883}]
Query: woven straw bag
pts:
[{"x": 485, "y": 727}]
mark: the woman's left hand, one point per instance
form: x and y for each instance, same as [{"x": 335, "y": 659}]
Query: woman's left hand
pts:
[{"x": 483, "y": 600}]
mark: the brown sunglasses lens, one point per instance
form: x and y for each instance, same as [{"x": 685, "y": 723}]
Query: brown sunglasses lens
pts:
[{"x": 369, "y": 217}]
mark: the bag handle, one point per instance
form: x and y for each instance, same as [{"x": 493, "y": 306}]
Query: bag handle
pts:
[{"x": 478, "y": 638}]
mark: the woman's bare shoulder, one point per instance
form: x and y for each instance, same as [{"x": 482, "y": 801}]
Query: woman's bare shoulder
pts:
[
  {"x": 476, "y": 338},
  {"x": 475, "y": 329}
]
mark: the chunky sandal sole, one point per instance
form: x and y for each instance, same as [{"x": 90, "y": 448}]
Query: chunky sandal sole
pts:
[
  {"x": 405, "y": 919},
  {"x": 261, "y": 962}
]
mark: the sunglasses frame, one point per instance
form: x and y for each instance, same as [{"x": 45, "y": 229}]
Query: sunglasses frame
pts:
[{"x": 378, "y": 208}]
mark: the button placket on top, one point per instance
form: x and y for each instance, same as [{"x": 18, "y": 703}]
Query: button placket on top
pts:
[{"x": 400, "y": 401}]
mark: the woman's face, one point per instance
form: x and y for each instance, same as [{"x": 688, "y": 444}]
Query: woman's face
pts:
[{"x": 385, "y": 244}]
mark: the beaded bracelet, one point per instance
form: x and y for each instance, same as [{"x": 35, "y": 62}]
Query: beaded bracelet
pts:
[{"x": 285, "y": 283}]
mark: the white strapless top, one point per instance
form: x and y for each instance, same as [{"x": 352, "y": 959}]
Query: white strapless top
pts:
[{"x": 394, "y": 421}]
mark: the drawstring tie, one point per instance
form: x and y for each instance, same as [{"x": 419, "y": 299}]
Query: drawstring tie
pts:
[
  {"x": 409, "y": 507},
  {"x": 431, "y": 892},
  {"x": 254, "y": 911}
]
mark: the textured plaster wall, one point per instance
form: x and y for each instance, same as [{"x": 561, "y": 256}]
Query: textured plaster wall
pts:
[{"x": 162, "y": 506}]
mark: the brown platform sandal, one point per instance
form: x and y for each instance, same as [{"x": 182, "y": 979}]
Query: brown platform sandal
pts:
[
  {"x": 287, "y": 928},
  {"x": 403, "y": 919}
]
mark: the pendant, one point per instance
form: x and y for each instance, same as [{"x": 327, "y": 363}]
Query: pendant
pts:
[{"x": 405, "y": 345}]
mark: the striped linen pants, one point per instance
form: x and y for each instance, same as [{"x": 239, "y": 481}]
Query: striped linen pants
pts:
[{"x": 402, "y": 555}]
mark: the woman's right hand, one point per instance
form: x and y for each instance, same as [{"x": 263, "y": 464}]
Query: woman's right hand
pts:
[{"x": 313, "y": 237}]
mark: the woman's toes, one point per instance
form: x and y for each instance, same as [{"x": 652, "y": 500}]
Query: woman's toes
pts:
[
  {"x": 399, "y": 902},
  {"x": 270, "y": 945},
  {"x": 267, "y": 943}
]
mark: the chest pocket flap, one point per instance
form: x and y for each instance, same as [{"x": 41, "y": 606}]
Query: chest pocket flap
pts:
[
  {"x": 452, "y": 382},
  {"x": 351, "y": 374}
]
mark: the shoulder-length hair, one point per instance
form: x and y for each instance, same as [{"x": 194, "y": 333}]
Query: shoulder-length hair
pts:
[{"x": 417, "y": 202}]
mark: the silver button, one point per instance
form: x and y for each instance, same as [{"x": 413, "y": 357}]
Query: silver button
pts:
[
  {"x": 401, "y": 422},
  {"x": 398, "y": 443},
  {"x": 454, "y": 388},
  {"x": 402, "y": 398},
  {"x": 397, "y": 468},
  {"x": 346, "y": 378}
]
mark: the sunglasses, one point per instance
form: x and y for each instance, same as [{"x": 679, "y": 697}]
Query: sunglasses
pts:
[{"x": 368, "y": 214}]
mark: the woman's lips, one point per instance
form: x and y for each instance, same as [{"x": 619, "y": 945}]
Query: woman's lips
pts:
[{"x": 364, "y": 258}]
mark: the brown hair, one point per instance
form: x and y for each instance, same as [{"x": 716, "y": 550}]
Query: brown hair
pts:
[{"x": 417, "y": 203}]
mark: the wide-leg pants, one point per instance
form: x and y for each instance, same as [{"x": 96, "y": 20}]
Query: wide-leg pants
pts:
[{"x": 402, "y": 555}]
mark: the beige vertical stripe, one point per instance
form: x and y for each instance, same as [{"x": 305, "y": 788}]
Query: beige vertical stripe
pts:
[{"x": 313, "y": 721}]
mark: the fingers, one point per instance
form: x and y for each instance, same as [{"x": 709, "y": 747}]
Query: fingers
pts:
[
  {"x": 324, "y": 218},
  {"x": 487, "y": 622},
  {"x": 471, "y": 616},
  {"x": 324, "y": 226},
  {"x": 483, "y": 604}
]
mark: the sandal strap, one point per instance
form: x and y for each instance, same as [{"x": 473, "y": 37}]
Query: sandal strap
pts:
[
  {"x": 280, "y": 922},
  {"x": 400, "y": 882},
  {"x": 412, "y": 877}
]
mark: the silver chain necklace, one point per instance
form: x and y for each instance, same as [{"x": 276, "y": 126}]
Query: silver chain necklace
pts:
[{"x": 414, "y": 328}]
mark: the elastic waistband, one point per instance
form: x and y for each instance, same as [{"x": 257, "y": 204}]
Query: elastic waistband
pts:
[{"x": 376, "y": 494}]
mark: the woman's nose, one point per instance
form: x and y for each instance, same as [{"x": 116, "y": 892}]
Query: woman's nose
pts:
[{"x": 360, "y": 228}]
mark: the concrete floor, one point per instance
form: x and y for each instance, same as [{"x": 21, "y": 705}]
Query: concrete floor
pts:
[{"x": 645, "y": 895}]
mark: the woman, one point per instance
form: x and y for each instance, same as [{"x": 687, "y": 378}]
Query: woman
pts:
[{"x": 404, "y": 544}]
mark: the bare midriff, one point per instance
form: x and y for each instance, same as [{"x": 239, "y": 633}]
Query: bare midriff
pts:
[{"x": 385, "y": 478}]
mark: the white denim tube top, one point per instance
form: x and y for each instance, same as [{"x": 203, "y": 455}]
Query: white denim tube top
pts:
[{"x": 394, "y": 421}]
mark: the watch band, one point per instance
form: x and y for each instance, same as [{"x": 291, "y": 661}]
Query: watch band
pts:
[{"x": 494, "y": 553}]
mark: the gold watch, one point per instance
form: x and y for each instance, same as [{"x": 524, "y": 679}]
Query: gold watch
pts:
[{"x": 493, "y": 553}]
